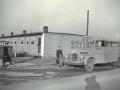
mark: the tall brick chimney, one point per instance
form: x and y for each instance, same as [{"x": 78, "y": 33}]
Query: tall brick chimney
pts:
[
  {"x": 24, "y": 31},
  {"x": 11, "y": 33},
  {"x": 45, "y": 29},
  {"x": 2, "y": 35}
]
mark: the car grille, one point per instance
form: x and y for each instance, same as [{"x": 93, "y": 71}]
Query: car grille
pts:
[{"x": 74, "y": 56}]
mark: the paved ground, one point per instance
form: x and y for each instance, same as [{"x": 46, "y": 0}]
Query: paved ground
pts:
[
  {"x": 31, "y": 63},
  {"x": 37, "y": 71},
  {"x": 26, "y": 69},
  {"x": 97, "y": 80},
  {"x": 31, "y": 67}
]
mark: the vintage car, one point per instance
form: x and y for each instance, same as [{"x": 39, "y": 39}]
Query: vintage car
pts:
[
  {"x": 90, "y": 51},
  {"x": 79, "y": 58}
]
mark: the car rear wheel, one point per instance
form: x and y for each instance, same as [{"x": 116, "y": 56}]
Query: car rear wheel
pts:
[{"x": 89, "y": 65}]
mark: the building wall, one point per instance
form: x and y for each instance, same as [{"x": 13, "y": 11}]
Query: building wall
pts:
[
  {"x": 49, "y": 44},
  {"x": 30, "y": 44},
  {"x": 52, "y": 41}
]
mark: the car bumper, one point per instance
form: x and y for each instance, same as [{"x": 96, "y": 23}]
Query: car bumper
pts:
[{"x": 74, "y": 63}]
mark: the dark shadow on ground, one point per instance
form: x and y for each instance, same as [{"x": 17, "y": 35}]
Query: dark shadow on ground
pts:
[{"x": 91, "y": 83}]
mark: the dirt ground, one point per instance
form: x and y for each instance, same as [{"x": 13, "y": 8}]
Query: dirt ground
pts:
[{"x": 29, "y": 68}]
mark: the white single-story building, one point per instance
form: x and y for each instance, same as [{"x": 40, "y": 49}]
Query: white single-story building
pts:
[{"x": 42, "y": 44}]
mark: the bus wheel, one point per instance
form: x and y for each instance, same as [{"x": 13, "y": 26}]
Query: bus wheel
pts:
[
  {"x": 89, "y": 65},
  {"x": 70, "y": 67}
]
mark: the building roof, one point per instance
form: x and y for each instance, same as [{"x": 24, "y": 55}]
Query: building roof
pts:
[
  {"x": 20, "y": 35},
  {"x": 65, "y": 33},
  {"x": 36, "y": 33}
]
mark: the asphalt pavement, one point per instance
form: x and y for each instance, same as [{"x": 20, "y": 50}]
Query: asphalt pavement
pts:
[
  {"x": 31, "y": 63},
  {"x": 44, "y": 74},
  {"x": 30, "y": 66},
  {"x": 108, "y": 80}
]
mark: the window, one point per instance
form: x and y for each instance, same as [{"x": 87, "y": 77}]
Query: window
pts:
[
  {"x": 89, "y": 44},
  {"x": 15, "y": 42},
  {"x": 22, "y": 41},
  {"x": 81, "y": 44},
  {"x": 28, "y": 40},
  {"x": 108, "y": 43},
  {"x": 32, "y": 40},
  {"x": 99, "y": 43},
  {"x": 114, "y": 44},
  {"x": 77, "y": 44}
]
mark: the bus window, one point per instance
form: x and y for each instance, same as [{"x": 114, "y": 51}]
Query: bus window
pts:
[
  {"x": 107, "y": 43},
  {"x": 77, "y": 44},
  {"x": 89, "y": 44},
  {"x": 102, "y": 43},
  {"x": 82, "y": 44},
  {"x": 99, "y": 43},
  {"x": 110, "y": 44},
  {"x": 114, "y": 44}
]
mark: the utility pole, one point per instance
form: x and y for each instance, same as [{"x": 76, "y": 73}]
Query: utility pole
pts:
[{"x": 87, "y": 22}]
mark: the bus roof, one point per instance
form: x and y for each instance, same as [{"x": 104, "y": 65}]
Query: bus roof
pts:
[{"x": 101, "y": 38}]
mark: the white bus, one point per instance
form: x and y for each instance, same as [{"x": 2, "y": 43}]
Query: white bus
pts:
[{"x": 90, "y": 50}]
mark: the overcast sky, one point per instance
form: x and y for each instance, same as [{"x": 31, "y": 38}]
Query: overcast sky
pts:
[{"x": 67, "y": 16}]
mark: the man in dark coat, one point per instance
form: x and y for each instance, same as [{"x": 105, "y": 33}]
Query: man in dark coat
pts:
[
  {"x": 6, "y": 57},
  {"x": 59, "y": 56}
]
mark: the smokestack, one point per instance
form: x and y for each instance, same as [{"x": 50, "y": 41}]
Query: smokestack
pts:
[
  {"x": 24, "y": 31},
  {"x": 87, "y": 22},
  {"x": 12, "y": 33},
  {"x": 45, "y": 29},
  {"x": 2, "y": 35}
]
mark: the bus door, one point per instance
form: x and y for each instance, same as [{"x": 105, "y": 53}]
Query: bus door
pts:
[{"x": 99, "y": 51}]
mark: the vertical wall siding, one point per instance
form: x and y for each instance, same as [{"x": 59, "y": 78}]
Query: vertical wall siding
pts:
[{"x": 52, "y": 41}]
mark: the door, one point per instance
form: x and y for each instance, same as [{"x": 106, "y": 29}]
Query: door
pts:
[{"x": 39, "y": 45}]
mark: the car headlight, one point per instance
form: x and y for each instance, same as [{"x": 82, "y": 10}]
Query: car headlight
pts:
[
  {"x": 67, "y": 57},
  {"x": 82, "y": 57}
]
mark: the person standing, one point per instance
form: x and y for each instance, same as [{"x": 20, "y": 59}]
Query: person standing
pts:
[
  {"x": 59, "y": 56},
  {"x": 6, "y": 57}
]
